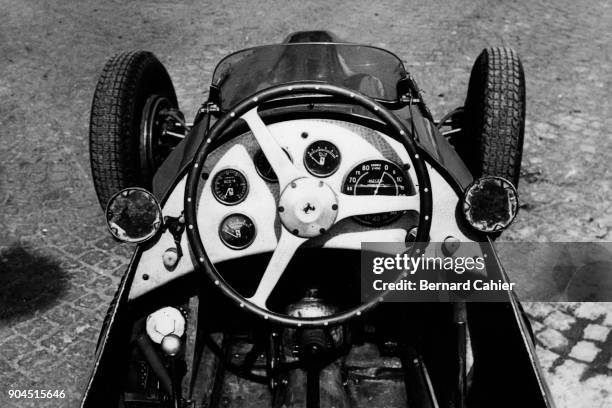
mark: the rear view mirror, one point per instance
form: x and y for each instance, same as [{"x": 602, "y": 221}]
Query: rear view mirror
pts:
[{"x": 133, "y": 215}]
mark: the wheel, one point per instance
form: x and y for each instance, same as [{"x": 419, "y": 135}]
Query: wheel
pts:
[
  {"x": 491, "y": 143},
  {"x": 126, "y": 141}
]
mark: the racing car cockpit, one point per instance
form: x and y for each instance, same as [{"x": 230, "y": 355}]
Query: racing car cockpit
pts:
[{"x": 246, "y": 287}]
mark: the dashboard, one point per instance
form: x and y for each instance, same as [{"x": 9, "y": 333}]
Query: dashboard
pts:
[
  {"x": 237, "y": 210},
  {"x": 237, "y": 205}
]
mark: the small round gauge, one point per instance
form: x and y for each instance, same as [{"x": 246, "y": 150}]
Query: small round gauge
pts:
[
  {"x": 263, "y": 167},
  {"x": 322, "y": 158},
  {"x": 377, "y": 177},
  {"x": 230, "y": 186},
  {"x": 237, "y": 231}
]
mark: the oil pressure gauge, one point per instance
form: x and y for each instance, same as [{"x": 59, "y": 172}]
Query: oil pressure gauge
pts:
[
  {"x": 237, "y": 231},
  {"x": 322, "y": 158}
]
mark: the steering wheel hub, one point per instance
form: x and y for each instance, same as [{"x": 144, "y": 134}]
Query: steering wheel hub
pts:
[{"x": 307, "y": 207}]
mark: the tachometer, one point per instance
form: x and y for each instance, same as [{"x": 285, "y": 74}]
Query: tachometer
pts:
[
  {"x": 322, "y": 158},
  {"x": 262, "y": 165},
  {"x": 377, "y": 177},
  {"x": 230, "y": 186},
  {"x": 237, "y": 231}
]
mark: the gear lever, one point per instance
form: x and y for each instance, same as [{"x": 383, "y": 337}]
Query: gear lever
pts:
[{"x": 171, "y": 345}]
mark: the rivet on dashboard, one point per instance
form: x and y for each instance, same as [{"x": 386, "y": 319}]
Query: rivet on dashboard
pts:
[
  {"x": 255, "y": 99},
  {"x": 232, "y": 114},
  {"x": 359, "y": 313},
  {"x": 334, "y": 207},
  {"x": 145, "y": 277},
  {"x": 201, "y": 259},
  {"x": 205, "y": 176},
  {"x": 426, "y": 217},
  {"x": 188, "y": 199},
  {"x": 325, "y": 323},
  {"x": 425, "y": 189},
  {"x": 290, "y": 88},
  {"x": 376, "y": 108},
  {"x": 241, "y": 304},
  {"x": 190, "y": 226},
  {"x": 299, "y": 325},
  {"x": 304, "y": 135},
  {"x": 293, "y": 185},
  {"x": 322, "y": 230},
  {"x": 281, "y": 209},
  {"x": 217, "y": 282},
  {"x": 295, "y": 232},
  {"x": 402, "y": 133},
  {"x": 352, "y": 95},
  {"x": 266, "y": 317},
  {"x": 208, "y": 140},
  {"x": 196, "y": 165},
  {"x": 416, "y": 156}
]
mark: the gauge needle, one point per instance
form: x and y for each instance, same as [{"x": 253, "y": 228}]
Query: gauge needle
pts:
[
  {"x": 379, "y": 183},
  {"x": 233, "y": 233}
]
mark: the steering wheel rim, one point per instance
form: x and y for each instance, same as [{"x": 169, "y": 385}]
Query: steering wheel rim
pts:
[{"x": 251, "y": 104}]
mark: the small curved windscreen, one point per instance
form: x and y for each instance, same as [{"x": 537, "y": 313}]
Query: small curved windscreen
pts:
[{"x": 369, "y": 70}]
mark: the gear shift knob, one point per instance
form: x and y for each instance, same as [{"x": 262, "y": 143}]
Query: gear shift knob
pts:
[{"x": 171, "y": 345}]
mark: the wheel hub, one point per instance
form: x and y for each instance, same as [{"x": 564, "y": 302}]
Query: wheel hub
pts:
[{"x": 308, "y": 207}]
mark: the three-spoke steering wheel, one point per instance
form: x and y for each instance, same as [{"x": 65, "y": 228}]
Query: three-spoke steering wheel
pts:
[{"x": 307, "y": 206}]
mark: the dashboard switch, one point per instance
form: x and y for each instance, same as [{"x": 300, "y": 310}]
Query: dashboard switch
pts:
[
  {"x": 170, "y": 258},
  {"x": 450, "y": 245}
]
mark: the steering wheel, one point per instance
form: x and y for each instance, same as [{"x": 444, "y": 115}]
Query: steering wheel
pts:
[{"x": 307, "y": 206}]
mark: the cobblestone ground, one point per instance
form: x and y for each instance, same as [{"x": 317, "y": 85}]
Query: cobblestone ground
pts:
[{"x": 58, "y": 268}]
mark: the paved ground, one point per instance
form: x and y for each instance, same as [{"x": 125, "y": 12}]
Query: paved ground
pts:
[{"x": 58, "y": 269}]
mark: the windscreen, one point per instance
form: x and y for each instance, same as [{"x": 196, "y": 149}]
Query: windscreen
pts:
[{"x": 369, "y": 70}]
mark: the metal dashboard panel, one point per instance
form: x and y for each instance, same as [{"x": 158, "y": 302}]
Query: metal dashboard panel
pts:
[{"x": 356, "y": 144}]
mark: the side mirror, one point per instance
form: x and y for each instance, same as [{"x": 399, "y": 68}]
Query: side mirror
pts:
[
  {"x": 490, "y": 204},
  {"x": 133, "y": 215}
]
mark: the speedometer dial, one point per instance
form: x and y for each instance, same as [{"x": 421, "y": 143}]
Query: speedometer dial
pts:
[
  {"x": 322, "y": 158},
  {"x": 377, "y": 177},
  {"x": 230, "y": 186}
]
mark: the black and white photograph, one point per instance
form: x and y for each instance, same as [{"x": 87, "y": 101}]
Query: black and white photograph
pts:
[{"x": 314, "y": 204}]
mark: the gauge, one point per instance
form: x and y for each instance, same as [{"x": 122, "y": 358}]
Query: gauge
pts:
[
  {"x": 377, "y": 177},
  {"x": 230, "y": 186},
  {"x": 237, "y": 231},
  {"x": 322, "y": 158},
  {"x": 263, "y": 166}
]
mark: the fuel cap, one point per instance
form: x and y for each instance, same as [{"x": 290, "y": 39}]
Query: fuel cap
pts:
[{"x": 163, "y": 322}]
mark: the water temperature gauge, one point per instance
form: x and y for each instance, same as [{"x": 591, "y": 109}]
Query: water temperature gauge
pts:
[
  {"x": 237, "y": 231},
  {"x": 322, "y": 158}
]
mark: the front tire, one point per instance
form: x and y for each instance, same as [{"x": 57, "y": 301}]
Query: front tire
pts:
[
  {"x": 128, "y": 81},
  {"x": 491, "y": 143}
]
